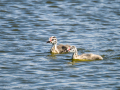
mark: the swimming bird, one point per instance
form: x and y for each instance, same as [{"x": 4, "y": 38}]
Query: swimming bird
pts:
[
  {"x": 57, "y": 48},
  {"x": 83, "y": 56}
]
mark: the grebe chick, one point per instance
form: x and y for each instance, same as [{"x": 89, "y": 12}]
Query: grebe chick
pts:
[
  {"x": 57, "y": 48},
  {"x": 83, "y": 56}
]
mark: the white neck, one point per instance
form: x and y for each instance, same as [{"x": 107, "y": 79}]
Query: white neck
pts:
[
  {"x": 55, "y": 47},
  {"x": 75, "y": 54}
]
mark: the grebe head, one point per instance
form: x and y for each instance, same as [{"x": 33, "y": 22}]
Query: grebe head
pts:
[
  {"x": 52, "y": 40},
  {"x": 72, "y": 49}
]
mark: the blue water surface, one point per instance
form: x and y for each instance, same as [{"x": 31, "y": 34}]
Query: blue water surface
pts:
[{"x": 26, "y": 63}]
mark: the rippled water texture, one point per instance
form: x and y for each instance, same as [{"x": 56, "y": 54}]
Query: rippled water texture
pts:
[{"x": 26, "y": 63}]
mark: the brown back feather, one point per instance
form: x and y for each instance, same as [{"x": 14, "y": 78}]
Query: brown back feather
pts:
[{"x": 63, "y": 48}]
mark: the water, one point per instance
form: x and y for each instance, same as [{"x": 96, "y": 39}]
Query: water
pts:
[{"x": 25, "y": 60}]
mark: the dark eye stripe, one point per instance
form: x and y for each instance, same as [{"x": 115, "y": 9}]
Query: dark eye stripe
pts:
[{"x": 53, "y": 39}]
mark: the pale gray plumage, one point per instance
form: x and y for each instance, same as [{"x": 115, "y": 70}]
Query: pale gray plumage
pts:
[{"x": 83, "y": 56}]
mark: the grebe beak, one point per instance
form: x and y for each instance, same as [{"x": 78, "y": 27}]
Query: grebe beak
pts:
[{"x": 48, "y": 41}]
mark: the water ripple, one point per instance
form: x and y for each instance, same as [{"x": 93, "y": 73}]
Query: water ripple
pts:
[{"x": 25, "y": 58}]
